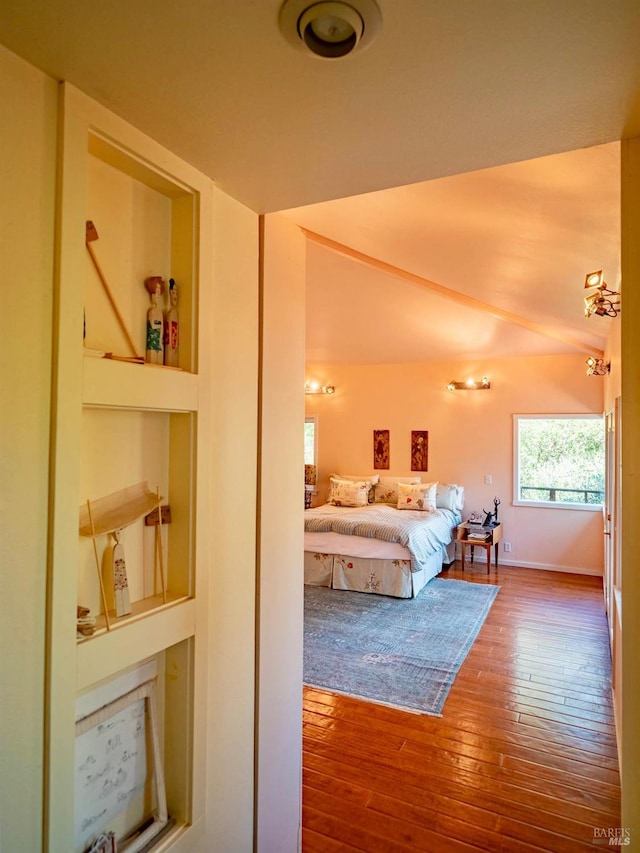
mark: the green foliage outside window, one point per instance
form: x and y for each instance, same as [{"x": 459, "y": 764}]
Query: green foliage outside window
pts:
[
  {"x": 561, "y": 460},
  {"x": 309, "y": 442}
]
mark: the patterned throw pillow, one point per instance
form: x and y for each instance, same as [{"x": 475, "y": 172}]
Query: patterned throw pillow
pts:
[
  {"x": 347, "y": 493},
  {"x": 418, "y": 496},
  {"x": 369, "y": 479},
  {"x": 386, "y": 490},
  {"x": 385, "y": 493}
]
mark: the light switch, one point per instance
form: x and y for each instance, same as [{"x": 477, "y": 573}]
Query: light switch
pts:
[{"x": 488, "y": 479}]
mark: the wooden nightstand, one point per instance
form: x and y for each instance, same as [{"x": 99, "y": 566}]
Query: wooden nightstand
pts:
[{"x": 495, "y": 535}]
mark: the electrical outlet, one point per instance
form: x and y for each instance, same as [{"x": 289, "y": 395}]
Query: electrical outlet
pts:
[{"x": 507, "y": 547}]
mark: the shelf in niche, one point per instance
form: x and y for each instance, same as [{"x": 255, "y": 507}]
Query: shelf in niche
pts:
[
  {"x": 151, "y": 627},
  {"x": 121, "y": 384},
  {"x": 139, "y": 609}
]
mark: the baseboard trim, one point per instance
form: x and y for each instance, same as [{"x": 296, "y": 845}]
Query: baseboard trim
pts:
[{"x": 572, "y": 570}]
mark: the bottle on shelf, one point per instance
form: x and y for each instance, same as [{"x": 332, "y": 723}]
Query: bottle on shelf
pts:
[
  {"x": 155, "y": 321},
  {"x": 171, "y": 331}
]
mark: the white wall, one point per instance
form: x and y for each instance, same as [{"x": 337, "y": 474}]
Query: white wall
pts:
[
  {"x": 280, "y": 584},
  {"x": 27, "y": 177},
  {"x": 234, "y": 370},
  {"x": 630, "y": 485}
]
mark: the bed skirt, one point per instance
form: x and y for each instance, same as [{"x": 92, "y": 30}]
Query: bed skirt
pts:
[{"x": 371, "y": 574}]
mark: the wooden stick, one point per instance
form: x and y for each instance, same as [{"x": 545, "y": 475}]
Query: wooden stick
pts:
[
  {"x": 92, "y": 234},
  {"x": 159, "y": 541},
  {"x": 95, "y": 552}
]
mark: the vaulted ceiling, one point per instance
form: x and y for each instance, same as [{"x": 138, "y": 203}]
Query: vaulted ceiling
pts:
[{"x": 487, "y": 263}]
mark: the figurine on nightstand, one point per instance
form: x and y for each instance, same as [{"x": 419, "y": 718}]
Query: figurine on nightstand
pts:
[
  {"x": 171, "y": 335},
  {"x": 155, "y": 287}
]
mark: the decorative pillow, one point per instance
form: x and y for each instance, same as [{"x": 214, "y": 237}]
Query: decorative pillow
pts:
[
  {"x": 354, "y": 478},
  {"x": 450, "y": 496},
  {"x": 386, "y": 491},
  {"x": 369, "y": 479},
  {"x": 420, "y": 496},
  {"x": 348, "y": 493}
]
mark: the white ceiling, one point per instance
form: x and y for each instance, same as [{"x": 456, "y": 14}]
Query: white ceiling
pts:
[{"x": 446, "y": 89}]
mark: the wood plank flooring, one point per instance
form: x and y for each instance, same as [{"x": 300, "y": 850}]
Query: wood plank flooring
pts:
[{"x": 523, "y": 758}]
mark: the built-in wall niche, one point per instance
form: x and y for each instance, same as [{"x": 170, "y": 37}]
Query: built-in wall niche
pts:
[
  {"x": 118, "y": 425},
  {"x": 119, "y": 448},
  {"x": 146, "y": 225},
  {"x": 133, "y": 735}
]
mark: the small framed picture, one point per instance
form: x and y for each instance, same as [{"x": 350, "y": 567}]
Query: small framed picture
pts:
[
  {"x": 419, "y": 450},
  {"x": 381, "y": 449},
  {"x": 119, "y": 767}
]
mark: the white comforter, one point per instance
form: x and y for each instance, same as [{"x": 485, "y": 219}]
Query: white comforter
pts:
[{"x": 421, "y": 533}]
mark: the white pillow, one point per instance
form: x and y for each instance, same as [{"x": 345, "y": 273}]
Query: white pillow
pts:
[
  {"x": 393, "y": 480},
  {"x": 420, "y": 496},
  {"x": 450, "y": 496},
  {"x": 347, "y": 493}
]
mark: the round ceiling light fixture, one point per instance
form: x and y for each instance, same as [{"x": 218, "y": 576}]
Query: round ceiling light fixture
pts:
[{"x": 330, "y": 30}]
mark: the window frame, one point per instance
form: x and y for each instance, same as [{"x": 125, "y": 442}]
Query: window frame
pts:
[
  {"x": 517, "y": 501},
  {"x": 314, "y": 420}
]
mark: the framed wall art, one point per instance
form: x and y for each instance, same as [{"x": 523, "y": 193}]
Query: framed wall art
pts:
[
  {"x": 119, "y": 767},
  {"x": 419, "y": 450},
  {"x": 381, "y": 449}
]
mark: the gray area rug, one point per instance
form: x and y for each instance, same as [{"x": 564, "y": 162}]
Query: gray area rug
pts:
[{"x": 399, "y": 652}]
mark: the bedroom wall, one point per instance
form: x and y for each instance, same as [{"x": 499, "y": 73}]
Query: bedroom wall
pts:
[
  {"x": 470, "y": 436},
  {"x": 280, "y": 538},
  {"x": 234, "y": 373},
  {"x": 613, "y": 382},
  {"x": 628, "y": 692},
  {"x": 28, "y": 147},
  {"x": 27, "y": 177}
]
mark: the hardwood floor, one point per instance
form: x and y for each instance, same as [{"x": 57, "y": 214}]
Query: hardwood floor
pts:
[{"x": 523, "y": 758}]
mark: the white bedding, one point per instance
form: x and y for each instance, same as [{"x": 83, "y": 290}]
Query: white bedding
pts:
[
  {"x": 377, "y": 548},
  {"x": 378, "y": 531},
  {"x": 354, "y": 546}
]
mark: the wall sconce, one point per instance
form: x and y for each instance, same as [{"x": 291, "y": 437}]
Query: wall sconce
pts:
[
  {"x": 317, "y": 388},
  {"x": 470, "y": 385},
  {"x": 601, "y": 301},
  {"x": 597, "y": 366}
]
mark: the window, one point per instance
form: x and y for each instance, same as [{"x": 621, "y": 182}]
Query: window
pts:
[
  {"x": 311, "y": 440},
  {"x": 559, "y": 461}
]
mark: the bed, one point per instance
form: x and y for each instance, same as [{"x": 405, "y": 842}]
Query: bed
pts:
[{"x": 376, "y": 547}]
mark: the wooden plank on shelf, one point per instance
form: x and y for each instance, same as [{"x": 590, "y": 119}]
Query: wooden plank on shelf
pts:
[{"x": 117, "y": 510}]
